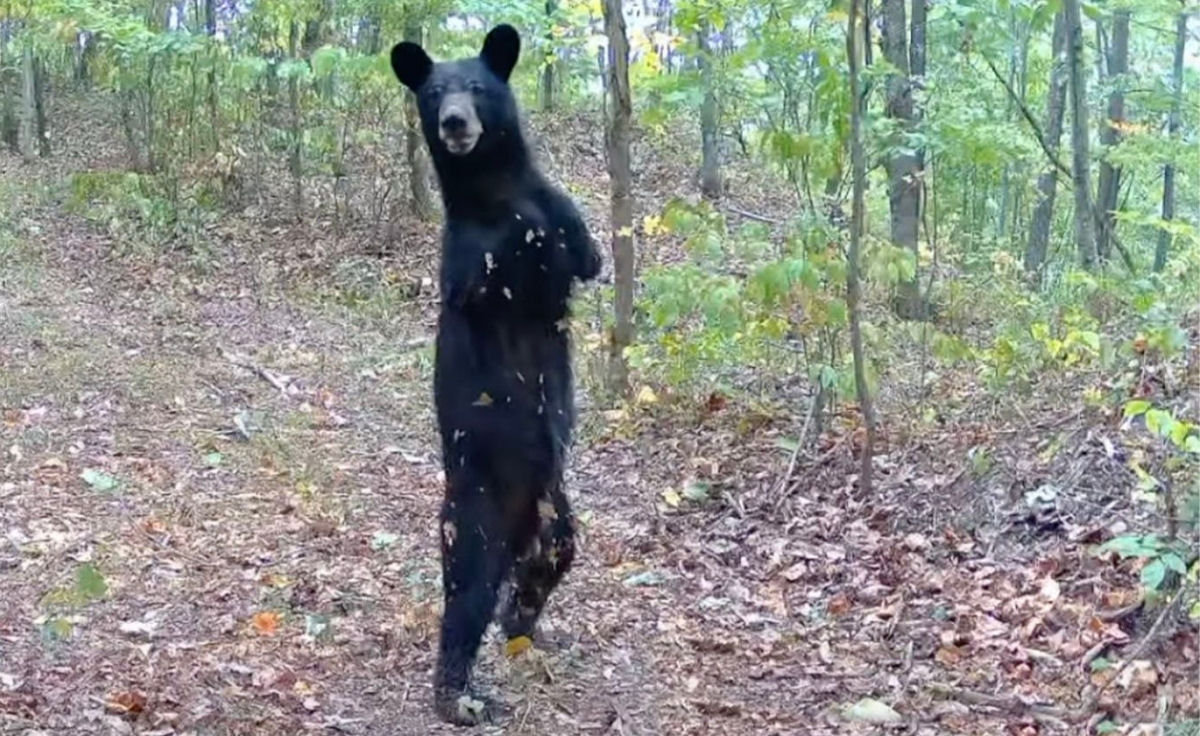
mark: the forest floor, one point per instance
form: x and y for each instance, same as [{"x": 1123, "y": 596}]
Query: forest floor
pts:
[{"x": 219, "y": 481}]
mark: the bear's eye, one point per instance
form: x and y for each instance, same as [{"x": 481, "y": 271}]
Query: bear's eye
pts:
[
  {"x": 475, "y": 87},
  {"x": 436, "y": 90}
]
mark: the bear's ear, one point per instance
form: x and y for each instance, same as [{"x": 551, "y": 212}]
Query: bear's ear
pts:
[
  {"x": 501, "y": 49},
  {"x": 411, "y": 64}
]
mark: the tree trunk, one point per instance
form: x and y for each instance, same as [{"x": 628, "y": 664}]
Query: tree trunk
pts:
[
  {"x": 1047, "y": 183},
  {"x": 28, "y": 131},
  {"x": 903, "y": 166},
  {"x": 1110, "y": 135},
  {"x": 710, "y": 167},
  {"x": 1168, "y": 197},
  {"x": 10, "y": 128},
  {"x": 1081, "y": 174},
  {"x": 548, "y": 60},
  {"x": 39, "y": 107},
  {"x": 853, "y": 288},
  {"x": 414, "y": 149},
  {"x": 210, "y": 29},
  {"x": 621, "y": 175},
  {"x": 294, "y": 108},
  {"x": 83, "y": 59}
]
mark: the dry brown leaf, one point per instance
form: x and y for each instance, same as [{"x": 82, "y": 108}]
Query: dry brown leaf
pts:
[
  {"x": 129, "y": 704},
  {"x": 839, "y": 604}
]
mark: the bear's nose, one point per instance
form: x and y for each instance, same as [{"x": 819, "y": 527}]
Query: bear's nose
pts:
[{"x": 454, "y": 123}]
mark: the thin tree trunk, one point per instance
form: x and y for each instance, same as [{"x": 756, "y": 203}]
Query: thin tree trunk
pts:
[
  {"x": 1110, "y": 136},
  {"x": 10, "y": 128},
  {"x": 294, "y": 107},
  {"x": 39, "y": 107},
  {"x": 710, "y": 167},
  {"x": 853, "y": 289},
  {"x": 1047, "y": 183},
  {"x": 414, "y": 150},
  {"x": 903, "y": 166},
  {"x": 210, "y": 29},
  {"x": 621, "y": 174},
  {"x": 28, "y": 131},
  {"x": 1162, "y": 249},
  {"x": 548, "y": 62},
  {"x": 1081, "y": 173}
]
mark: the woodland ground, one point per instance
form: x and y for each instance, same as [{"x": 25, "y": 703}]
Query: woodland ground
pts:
[{"x": 253, "y": 551}]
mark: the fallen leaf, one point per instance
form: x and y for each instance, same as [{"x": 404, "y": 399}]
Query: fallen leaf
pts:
[
  {"x": 483, "y": 400},
  {"x": 869, "y": 710},
  {"x": 265, "y": 622},
  {"x": 646, "y": 395},
  {"x": 128, "y": 704},
  {"x": 1050, "y": 590},
  {"x": 1139, "y": 678},
  {"x": 99, "y": 481},
  {"x": 136, "y": 628},
  {"x": 649, "y": 577},
  {"x": 517, "y": 645},
  {"x": 89, "y": 583},
  {"x": 671, "y": 497},
  {"x": 839, "y": 604},
  {"x": 383, "y": 540},
  {"x": 916, "y": 542}
]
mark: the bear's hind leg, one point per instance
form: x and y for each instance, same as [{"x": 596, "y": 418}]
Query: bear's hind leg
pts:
[
  {"x": 543, "y": 563},
  {"x": 475, "y": 558}
]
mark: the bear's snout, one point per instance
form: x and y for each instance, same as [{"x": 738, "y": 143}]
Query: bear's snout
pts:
[{"x": 458, "y": 123}]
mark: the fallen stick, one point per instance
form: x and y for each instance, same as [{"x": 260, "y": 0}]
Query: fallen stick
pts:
[{"x": 278, "y": 380}]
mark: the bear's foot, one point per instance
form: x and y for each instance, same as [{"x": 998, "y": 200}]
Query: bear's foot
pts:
[{"x": 466, "y": 708}]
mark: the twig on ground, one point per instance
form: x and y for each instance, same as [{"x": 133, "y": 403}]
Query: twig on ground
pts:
[{"x": 278, "y": 380}]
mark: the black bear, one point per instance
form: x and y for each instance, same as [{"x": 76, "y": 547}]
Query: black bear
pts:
[{"x": 512, "y": 247}]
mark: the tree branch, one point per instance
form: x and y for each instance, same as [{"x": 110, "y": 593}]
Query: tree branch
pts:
[
  {"x": 1054, "y": 159},
  {"x": 1025, "y": 113}
]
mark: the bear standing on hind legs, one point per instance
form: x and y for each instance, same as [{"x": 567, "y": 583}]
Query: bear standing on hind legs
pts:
[{"x": 512, "y": 247}]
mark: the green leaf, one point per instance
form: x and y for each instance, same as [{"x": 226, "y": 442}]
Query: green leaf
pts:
[
  {"x": 89, "y": 583},
  {"x": 1154, "y": 574},
  {"x": 1131, "y": 546},
  {"x": 696, "y": 491},
  {"x": 1157, "y": 420},
  {"x": 99, "y": 481},
  {"x": 213, "y": 459},
  {"x": 383, "y": 540},
  {"x": 56, "y": 629},
  {"x": 1174, "y": 562},
  {"x": 1099, "y": 664},
  {"x": 317, "y": 626}
]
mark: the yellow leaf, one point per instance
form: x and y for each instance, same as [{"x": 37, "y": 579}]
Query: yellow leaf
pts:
[
  {"x": 265, "y": 622},
  {"x": 483, "y": 400},
  {"x": 672, "y": 498},
  {"x": 625, "y": 232},
  {"x": 652, "y": 224},
  {"x": 517, "y": 645},
  {"x": 646, "y": 395}
]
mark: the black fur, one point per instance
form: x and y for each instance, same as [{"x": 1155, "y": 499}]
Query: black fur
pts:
[{"x": 512, "y": 247}]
